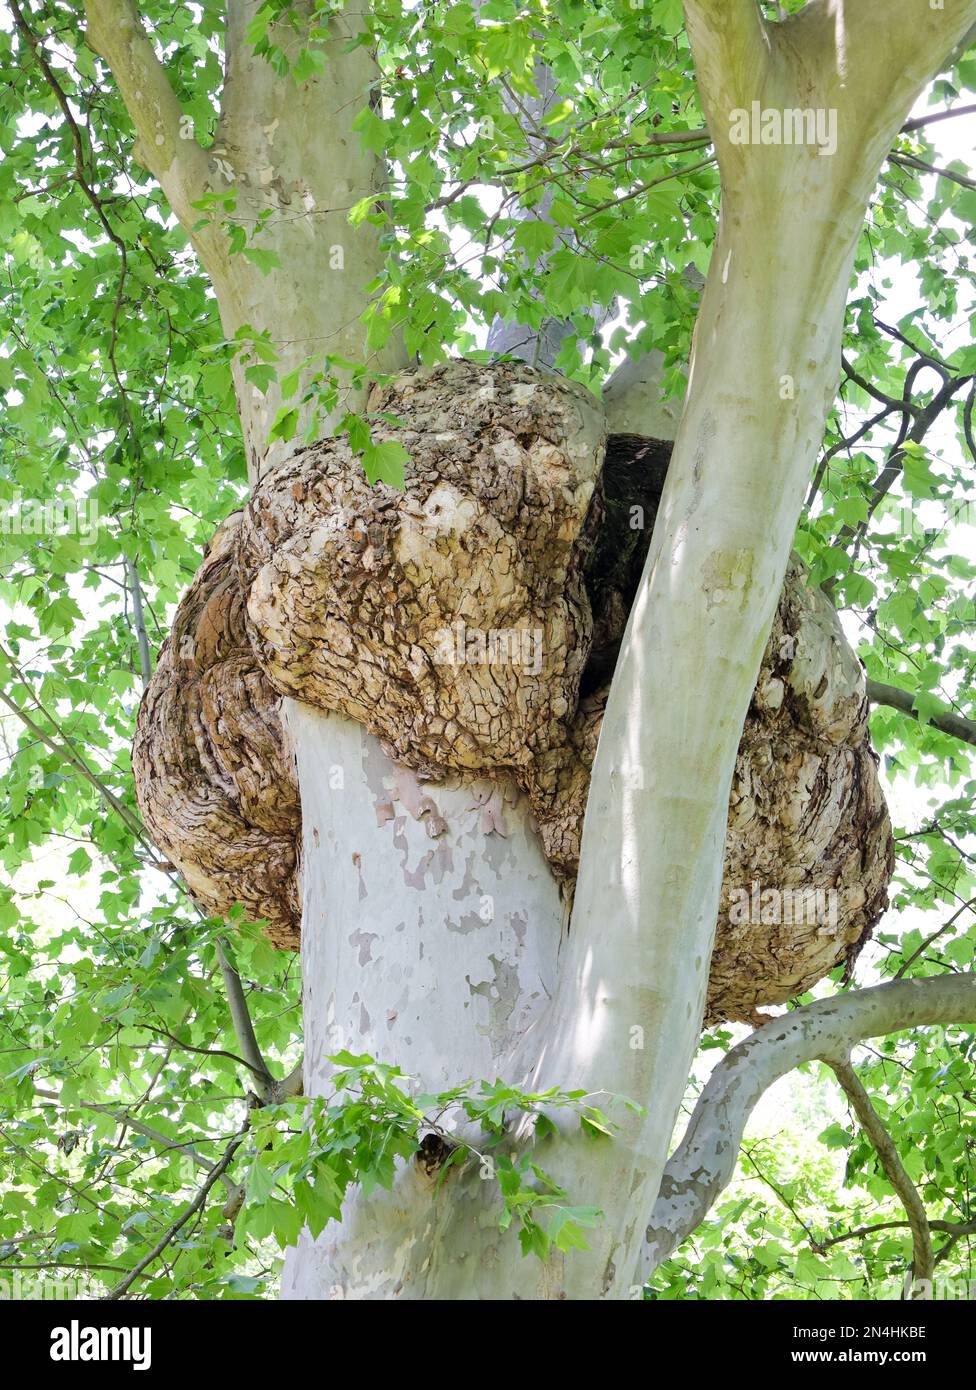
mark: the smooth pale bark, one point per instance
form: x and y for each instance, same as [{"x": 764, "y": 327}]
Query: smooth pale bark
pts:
[
  {"x": 634, "y": 403},
  {"x": 430, "y": 932},
  {"x": 441, "y": 890},
  {"x": 288, "y": 154},
  {"x": 704, "y": 1162},
  {"x": 627, "y": 1014},
  {"x": 297, "y": 161}
]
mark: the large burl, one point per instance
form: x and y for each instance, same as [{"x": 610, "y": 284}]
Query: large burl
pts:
[
  {"x": 471, "y": 622},
  {"x": 214, "y": 778}
]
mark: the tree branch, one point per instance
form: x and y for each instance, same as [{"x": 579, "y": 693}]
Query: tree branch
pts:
[
  {"x": 259, "y": 1071},
  {"x": 243, "y": 1027},
  {"x": 633, "y": 401},
  {"x": 924, "y": 417},
  {"x": 928, "y": 941},
  {"x": 955, "y": 1229},
  {"x": 291, "y": 1085},
  {"x": 705, "y": 1160},
  {"x": 843, "y": 59},
  {"x": 923, "y": 1257},
  {"x": 165, "y": 145},
  {"x": 909, "y": 161},
  {"x": 237, "y": 1002},
  {"x": 125, "y": 1118},
  {"x": 902, "y": 49},
  {"x": 918, "y": 121},
  {"x": 731, "y": 46},
  {"x": 945, "y": 721},
  {"x": 199, "y": 1201},
  {"x": 75, "y": 761},
  {"x": 84, "y": 182},
  {"x": 138, "y": 620}
]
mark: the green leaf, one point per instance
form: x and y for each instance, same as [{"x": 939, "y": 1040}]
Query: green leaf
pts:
[
  {"x": 79, "y": 862},
  {"x": 384, "y": 463},
  {"x": 285, "y": 423},
  {"x": 310, "y": 63},
  {"x": 535, "y": 238},
  {"x": 266, "y": 261},
  {"x": 371, "y": 130}
]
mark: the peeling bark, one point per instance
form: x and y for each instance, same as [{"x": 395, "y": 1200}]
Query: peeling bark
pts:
[
  {"x": 502, "y": 528},
  {"x": 809, "y": 851}
]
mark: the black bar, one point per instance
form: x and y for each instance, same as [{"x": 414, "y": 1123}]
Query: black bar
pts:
[{"x": 244, "y": 1335}]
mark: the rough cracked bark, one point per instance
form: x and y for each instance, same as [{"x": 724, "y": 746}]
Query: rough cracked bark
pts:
[
  {"x": 508, "y": 531},
  {"x": 377, "y": 605},
  {"x": 223, "y": 758}
]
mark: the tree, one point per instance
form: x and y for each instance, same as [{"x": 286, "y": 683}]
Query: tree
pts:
[{"x": 313, "y": 170}]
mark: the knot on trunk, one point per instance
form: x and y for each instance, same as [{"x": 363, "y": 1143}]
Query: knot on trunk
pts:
[
  {"x": 451, "y": 618},
  {"x": 809, "y": 851},
  {"x": 472, "y": 621},
  {"x": 215, "y": 778}
]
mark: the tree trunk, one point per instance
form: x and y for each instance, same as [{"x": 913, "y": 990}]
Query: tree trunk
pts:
[
  {"x": 434, "y": 932},
  {"x": 267, "y": 206},
  {"x": 430, "y": 935}
]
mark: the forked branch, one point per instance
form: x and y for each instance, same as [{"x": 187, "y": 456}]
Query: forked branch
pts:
[
  {"x": 705, "y": 1160},
  {"x": 731, "y": 44}
]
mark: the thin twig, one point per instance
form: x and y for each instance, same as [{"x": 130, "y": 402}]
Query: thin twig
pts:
[
  {"x": 139, "y": 621},
  {"x": 198, "y": 1203},
  {"x": 923, "y": 1258}
]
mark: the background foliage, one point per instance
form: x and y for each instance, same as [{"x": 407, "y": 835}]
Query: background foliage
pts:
[{"x": 121, "y": 1083}]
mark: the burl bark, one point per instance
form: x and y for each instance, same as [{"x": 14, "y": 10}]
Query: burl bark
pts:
[
  {"x": 214, "y": 777},
  {"x": 472, "y": 622}
]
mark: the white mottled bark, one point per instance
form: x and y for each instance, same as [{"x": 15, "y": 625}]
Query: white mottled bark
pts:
[
  {"x": 627, "y": 1016},
  {"x": 634, "y": 402},
  {"x": 430, "y": 933},
  {"x": 442, "y": 890}
]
